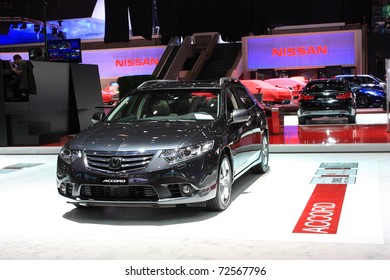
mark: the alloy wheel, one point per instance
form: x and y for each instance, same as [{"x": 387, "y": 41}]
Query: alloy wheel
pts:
[{"x": 225, "y": 181}]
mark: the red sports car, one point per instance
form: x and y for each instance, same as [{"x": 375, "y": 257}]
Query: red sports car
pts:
[
  {"x": 271, "y": 94},
  {"x": 110, "y": 94},
  {"x": 293, "y": 85}
]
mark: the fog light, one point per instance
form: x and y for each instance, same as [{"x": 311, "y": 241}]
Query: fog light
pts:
[
  {"x": 186, "y": 190},
  {"x": 63, "y": 188}
]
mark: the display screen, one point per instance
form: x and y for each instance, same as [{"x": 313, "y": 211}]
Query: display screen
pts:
[
  {"x": 300, "y": 50},
  {"x": 114, "y": 63},
  {"x": 67, "y": 50}
]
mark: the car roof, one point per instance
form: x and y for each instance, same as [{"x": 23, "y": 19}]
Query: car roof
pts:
[
  {"x": 358, "y": 75},
  {"x": 170, "y": 84},
  {"x": 354, "y": 75},
  {"x": 361, "y": 75}
]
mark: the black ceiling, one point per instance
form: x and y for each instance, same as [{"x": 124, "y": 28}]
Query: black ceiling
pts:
[
  {"x": 236, "y": 18},
  {"x": 232, "y": 18},
  {"x": 55, "y": 9}
]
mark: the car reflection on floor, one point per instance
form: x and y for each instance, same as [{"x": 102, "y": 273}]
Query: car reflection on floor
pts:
[{"x": 333, "y": 131}]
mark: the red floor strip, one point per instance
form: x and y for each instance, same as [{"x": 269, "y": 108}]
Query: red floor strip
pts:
[{"x": 322, "y": 212}]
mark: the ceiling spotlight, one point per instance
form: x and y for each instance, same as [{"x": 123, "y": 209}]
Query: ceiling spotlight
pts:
[{"x": 23, "y": 26}]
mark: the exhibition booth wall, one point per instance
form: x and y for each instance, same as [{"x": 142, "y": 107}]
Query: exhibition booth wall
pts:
[{"x": 67, "y": 96}]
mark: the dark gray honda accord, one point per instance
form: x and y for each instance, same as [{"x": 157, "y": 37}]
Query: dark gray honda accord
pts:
[{"x": 167, "y": 143}]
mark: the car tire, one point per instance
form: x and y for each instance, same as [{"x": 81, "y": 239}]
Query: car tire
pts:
[
  {"x": 301, "y": 120},
  {"x": 263, "y": 166},
  {"x": 222, "y": 199},
  {"x": 362, "y": 101},
  {"x": 352, "y": 119},
  {"x": 384, "y": 106}
]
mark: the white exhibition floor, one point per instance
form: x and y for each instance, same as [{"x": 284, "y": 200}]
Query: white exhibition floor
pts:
[{"x": 37, "y": 224}]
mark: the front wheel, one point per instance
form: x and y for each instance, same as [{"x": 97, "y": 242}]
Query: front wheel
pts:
[
  {"x": 224, "y": 187},
  {"x": 352, "y": 119},
  {"x": 362, "y": 101},
  {"x": 263, "y": 166},
  {"x": 384, "y": 106},
  {"x": 301, "y": 120}
]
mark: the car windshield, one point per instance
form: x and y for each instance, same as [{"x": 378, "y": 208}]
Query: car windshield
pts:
[{"x": 168, "y": 105}]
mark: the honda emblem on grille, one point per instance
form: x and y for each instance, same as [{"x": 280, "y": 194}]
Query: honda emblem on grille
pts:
[{"x": 115, "y": 163}]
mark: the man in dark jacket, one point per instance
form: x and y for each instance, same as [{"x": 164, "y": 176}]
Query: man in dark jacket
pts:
[{"x": 23, "y": 82}]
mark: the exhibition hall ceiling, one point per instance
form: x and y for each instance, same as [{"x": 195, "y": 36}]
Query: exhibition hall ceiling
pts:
[
  {"x": 116, "y": 20},
  {"x": 55, "y": 9}
]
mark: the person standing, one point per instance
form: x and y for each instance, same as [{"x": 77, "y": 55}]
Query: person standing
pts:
[{"x": 23, "y": 82}]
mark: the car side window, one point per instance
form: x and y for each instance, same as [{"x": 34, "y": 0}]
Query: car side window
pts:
[
  {"x": 367, "y": 80},
  {"x": 354, "y": 81},
  {"x": 231, "y": 103},
  {"x": 246, "y": 100}
]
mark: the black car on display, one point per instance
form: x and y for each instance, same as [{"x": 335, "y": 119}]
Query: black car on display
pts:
[
  {"x": 167, "y": 143},
  {"x": 327, "y": 98}
]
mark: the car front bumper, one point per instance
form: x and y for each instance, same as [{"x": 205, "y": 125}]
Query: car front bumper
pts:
[{"x": 185, "y": 183}]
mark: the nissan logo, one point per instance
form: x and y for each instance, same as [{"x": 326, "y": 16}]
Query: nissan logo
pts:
[{"x": 115, "y": 163}]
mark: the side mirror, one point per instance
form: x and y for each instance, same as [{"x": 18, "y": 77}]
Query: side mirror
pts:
[
  {"x": 97, "y": 117},
  {"x": 240, "y": 115}
]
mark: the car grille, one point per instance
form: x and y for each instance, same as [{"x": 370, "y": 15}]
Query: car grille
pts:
[
  {"x": 174, "y": 190},
  {"x": 129, "y": 161},
  {"x": 118, "y": 193}
]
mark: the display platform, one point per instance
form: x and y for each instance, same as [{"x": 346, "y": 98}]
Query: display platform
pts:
[{"x": 283, "y": 214}]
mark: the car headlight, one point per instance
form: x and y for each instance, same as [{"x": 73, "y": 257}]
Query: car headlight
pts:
[
  {"x": 69, "y": 155},
  {"x": 185, "y": 153}
]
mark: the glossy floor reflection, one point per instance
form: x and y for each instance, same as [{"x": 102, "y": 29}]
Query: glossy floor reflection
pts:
[{"x": 370, "y": 128}]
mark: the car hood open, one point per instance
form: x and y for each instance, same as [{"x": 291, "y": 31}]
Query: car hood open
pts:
[{"x": 150, "y": 135}]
